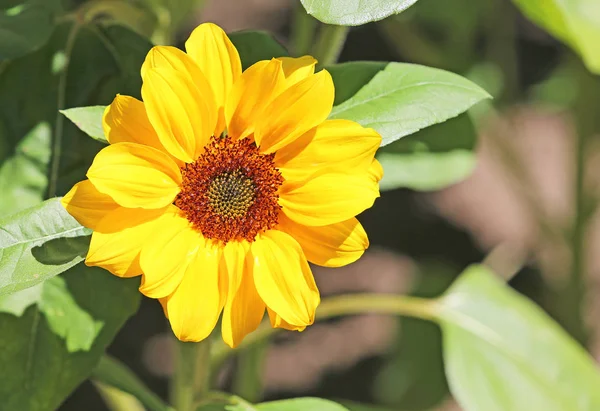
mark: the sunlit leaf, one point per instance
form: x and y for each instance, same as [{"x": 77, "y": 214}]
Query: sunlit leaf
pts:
[
  {"x": 37, "y": 244},
  {"x": 354, "y": 12},
  {"x": 254, "y": 46},
  {"x": 350, "y": 77},
  {"x": 502, "y": 352},
  {"x": 301, "y": 404},
  {"x": 39, "y": 372},
  {"x": 88, "y": 120},
  {"x": 23, "y": 177},
  {"x": 575, "y": 22},
  {"x": 404, "y": 98}
]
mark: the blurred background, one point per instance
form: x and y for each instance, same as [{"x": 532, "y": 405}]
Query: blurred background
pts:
[{"x": 529, "y": 195}]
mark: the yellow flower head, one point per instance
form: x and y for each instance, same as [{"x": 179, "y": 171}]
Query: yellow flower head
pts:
[{"x": 220, "y": 185}]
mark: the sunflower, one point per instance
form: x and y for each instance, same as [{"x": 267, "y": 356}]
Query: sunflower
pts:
[{"x": 221, "y": 185}]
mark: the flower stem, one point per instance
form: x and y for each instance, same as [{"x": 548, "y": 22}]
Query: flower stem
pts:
[
  {"x": 423, "y": 308},
  {"x": 329, "y": 44},
  {"x": 303, "y": 31},
  {"x": 192, "y": 374}
]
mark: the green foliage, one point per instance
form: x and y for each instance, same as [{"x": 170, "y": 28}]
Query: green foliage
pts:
[
  {"x": 504, "y": 353},
  {"x": 351, "y": 77},
  {"x": 39, "y": 372},
  {"x": 354, "y": 13},
  {"x": 432, "y": 158},
  {"x": 89, "y": 120},
  {"x": 26, "y": 27},
  {"x": 574, "y": 22},
  {"x": 23, "y": 176},
  {"x": 254, "y": 46},
  {"x": 404, "y": 98},
  {"x": 301, "y": 404},
  {"x": 37, "y": 244},
  {"x": 61, "y": 311}
]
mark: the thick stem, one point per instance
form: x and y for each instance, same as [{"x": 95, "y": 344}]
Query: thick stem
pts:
[
  {"x": 61, "y": 100},
  {"x": 329, "y": 44},
  {"x": 192, "y": 374},
  {"x": 303, "y": 31},
  {"x": 247, "y": 382}
]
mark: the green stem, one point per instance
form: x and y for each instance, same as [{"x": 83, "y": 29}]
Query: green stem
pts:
[
  {"x": 329, "y": 44},
  {"x": 61, "y": 99},
  {"x": 303, "y": 31},
  {"x": 115, "y": 374},
  {"x": 423, "y": 308},
  {"x": 247, "y": 381},
  {"x": 192, "y": 374}
]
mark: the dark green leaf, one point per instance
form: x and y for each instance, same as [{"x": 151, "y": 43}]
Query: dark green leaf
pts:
[
  {"x": 354, "y": 13},
  {"x": 432, "y": 158},
  {"x": 404, "y": 98},
  {"x": 26, "y": 27},
  {"x": 254, "y": 46},
  {"x": 39, "y": 243},
  {"x": 301, "y": 404},
  {"x": 39, "y": 372},
  {"x": 89, "y": 120},
  {"x": 502, "y": 352},
  {"x": 23, "y": 177},
  {"x": 576, "y": 23},
  {"x": 351, "y": 77}
]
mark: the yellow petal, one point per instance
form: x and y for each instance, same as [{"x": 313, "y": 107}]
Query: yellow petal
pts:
[
  {"x": 218, "y": 59},
  {"x": 166, "y": 255},
  {"x": 333, "y": 245},
  {"x": 193, "y": 308},
  {"x": 376, "y": 171},
  {"x": 135, "y": 175},
  {"x": 278, "y": 322},
  {"x": 255, "y": 88},
  {"x": 181, "y": 110},
  {"x": 118, "y": 239},
  {"x": 328, "y": 198},
  {"x": 296, "y": 69},
  {"x": 333, "y": 145},
  {"x": 296, "y": 110},
  {"x": 244, "y": 308},
  {"x": 125, "y": 121},
  {"x": 87, "y": 205},
  {"x": 283, "y": 278}
]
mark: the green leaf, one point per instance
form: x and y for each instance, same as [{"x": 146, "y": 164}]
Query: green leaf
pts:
[
  {"x": 37, "y": 244},
  {"x": 26, "y": 27},
  {"x": 301, "y": 404},
  {"x": 575, "y": 22},
  {"x": 354, "y": 13},
  {"x": 432, "y": 158},
  {"x": 63, "y": 314},
  {"x": 23, "y": 177},
  {"x": 404, "y": 98},
  {"x": 39, "y": 372},
  {"x": 88, "y": 120},
  {"x": 502, "y": 352},
  {"x": 350, "y": 77},
  {"x": 254, "y": 46}
]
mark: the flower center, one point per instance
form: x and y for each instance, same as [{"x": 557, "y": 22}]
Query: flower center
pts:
[{"x": 231, "y": 191}]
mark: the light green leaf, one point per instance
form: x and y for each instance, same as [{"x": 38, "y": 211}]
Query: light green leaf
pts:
[
  {"x": 301, "y": 404},
  {"x": 254, "y": 46},
  {"x": 39, "y": 243},
  {"x": 23, "y": 177},
  {"x": 502, "y": 352},
  {"x": 63, "y": 314},
  {"x": 432, "y": 158},
  {"x": 26, "y": 27},
  {"x": 354, "y": 12},
  {"x": 39, "y": 372},
  {"x": 404, "y": 98},
  {"x": 350, "y": 77},
  {"x": 575, "y": 22},
  {"x": 88, "y": 120}
]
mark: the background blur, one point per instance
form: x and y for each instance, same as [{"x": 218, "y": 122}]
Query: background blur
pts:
[{"x": 519, "y": 197}]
